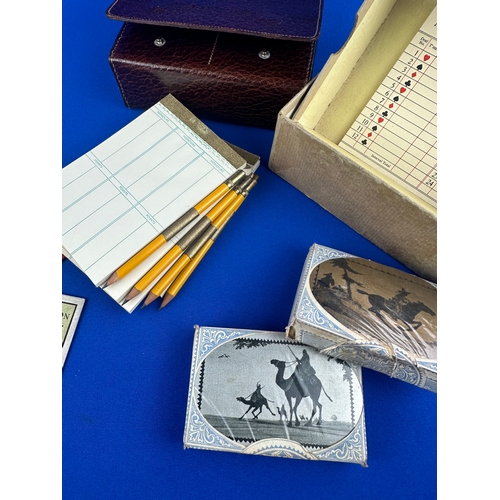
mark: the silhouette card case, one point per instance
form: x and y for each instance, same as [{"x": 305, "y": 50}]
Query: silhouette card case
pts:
[
  {"x": 367, "y": 314},
  {"x": 237, "y": 61},
  {"x": 256, "y": 392}
]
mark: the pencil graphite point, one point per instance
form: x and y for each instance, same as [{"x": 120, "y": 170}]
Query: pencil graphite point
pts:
[
  {"x": 174, "y": 228},
  {"x": 166, "y": 299},
  {"x": 112, "y": 279},
  {"x": 133, "y": 293},
  {"x": 150, "y": 298},
  {"x": 184, "y": 275}
]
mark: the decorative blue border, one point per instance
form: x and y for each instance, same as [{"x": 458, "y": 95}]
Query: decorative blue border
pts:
[
  {"x": 198, "y": 433},
  {"x": 312, "y": 325}
]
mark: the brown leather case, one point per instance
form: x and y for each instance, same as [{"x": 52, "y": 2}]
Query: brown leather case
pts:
[{"x": 239, "y": 70}]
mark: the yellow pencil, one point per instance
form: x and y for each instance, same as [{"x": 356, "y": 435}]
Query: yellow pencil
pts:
[
  {"x": 175, "y": 227},
  {"x": 184, "y": 242},
  {"x": 190, "y": 266},
  {"x": 159, "y": 289}
]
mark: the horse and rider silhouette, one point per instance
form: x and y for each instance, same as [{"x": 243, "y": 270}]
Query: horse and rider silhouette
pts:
[
  {"x": 302, "y": 383},
  {"x": 399, "y": 308}
]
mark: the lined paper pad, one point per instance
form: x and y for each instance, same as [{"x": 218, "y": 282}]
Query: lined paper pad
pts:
[
  {"x": 396, "y": 133},
  {"x": 126, "y": 191}
]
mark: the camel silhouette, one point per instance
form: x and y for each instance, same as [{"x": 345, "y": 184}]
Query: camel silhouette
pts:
[
  {"x": 255, "y": 403},
  {"x": 282, "y": 413},
  {"x": 297, "y": 387}
]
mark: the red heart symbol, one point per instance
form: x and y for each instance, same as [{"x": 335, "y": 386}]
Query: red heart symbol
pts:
[
  {"x": 402, "y": 90},
  {"x": 380, "y": 120},
  {"x": 427, "y": 57}
]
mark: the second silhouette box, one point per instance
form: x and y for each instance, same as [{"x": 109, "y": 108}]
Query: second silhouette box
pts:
[{"x": 368, "y": 314}]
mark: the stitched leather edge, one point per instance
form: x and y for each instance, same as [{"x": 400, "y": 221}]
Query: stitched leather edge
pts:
[
  {"x": 207, "y": 27},
  {"x": 112, "y": 64}
]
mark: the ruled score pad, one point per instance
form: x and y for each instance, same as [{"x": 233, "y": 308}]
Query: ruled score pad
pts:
[
  {"x": 396, "y": 133},
  {"x": 127, "y": 190}
]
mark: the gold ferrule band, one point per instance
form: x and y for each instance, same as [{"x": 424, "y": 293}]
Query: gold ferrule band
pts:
[
  {"x": 196, "y": 246},
  {"x": 191, "y": 236},
  {"x": 180, "y": 224}
]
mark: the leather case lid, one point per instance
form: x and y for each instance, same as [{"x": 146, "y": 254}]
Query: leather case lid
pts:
[{"x": 286, "y": 19}]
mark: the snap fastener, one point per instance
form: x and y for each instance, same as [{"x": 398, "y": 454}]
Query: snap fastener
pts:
[
  {"x": 264, "y": 54},
  {"x": 160, "y": 42}
]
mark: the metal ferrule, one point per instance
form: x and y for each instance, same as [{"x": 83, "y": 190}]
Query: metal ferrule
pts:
[
  {"x": 216, "y": 234},
  {"x": 249, "y": 187},
  {"x": 191, "y": 236},
  {"x": 237, "y": 189},
  {"x": 235, "y": 178},
  {"x": 246, "y": 182},
  {"x": 198, "y": 244},
  {"x": 180, "y": 224}
]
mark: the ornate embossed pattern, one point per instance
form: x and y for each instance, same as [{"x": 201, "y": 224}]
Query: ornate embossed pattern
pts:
[
  {"x": 210, "y": 338},
  {"x": 321, "y": 254},
  {"x": 309, "y": 311},
  {"x": 279, "y": 448},
  {"x": 352, "y": 449},
  {"x": 316, "y": 255},
  {"x": 201, "y": 431},
  {"x": 314, "y": 326}
]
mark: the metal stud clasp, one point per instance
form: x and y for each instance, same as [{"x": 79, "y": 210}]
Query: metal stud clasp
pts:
[
  {"x": 264, "y": 54},
  {"x": 159, "y": 42}
]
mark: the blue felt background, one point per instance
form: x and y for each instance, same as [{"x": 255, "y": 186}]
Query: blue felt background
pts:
[{"x": 126, "y": 376}]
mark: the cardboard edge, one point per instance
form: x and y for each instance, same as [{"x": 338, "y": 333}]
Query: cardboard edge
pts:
[
  {"x": 291, "y": 136},
  {"x": 199, "y": 128}
]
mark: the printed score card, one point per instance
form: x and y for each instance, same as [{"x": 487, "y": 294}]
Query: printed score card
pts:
[
  {"x": 396, "y": 133},
  {"x": 124, "y": 192}
]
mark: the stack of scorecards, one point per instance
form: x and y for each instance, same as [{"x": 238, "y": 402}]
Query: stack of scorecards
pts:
[{"x": 141, "y": 209}]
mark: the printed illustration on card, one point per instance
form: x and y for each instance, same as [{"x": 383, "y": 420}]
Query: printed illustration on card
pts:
[
  {"x": 390, "y": 305},
  {"x": 262, "y": 394}
]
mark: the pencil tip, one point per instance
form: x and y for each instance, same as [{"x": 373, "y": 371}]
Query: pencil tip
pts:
[
  {"x": 166, "y": 299},
  {"x": 112, "y": 279},
  {"x": 133, "y": 293},
  {"x": 150, "y": 298}
]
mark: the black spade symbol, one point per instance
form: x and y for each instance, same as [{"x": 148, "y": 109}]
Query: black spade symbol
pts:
[
  {"x": 374, "y": 128},
  {"x": 396, "y": 99},
  {"x": 419, "y": 67}
]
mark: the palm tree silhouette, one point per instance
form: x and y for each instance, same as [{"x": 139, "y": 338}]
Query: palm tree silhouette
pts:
[{"x": 344, "y": 265}]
